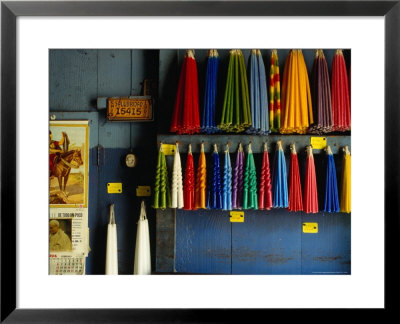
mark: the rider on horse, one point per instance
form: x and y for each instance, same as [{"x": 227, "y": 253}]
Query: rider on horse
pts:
[{"x": 55, "y": 149}]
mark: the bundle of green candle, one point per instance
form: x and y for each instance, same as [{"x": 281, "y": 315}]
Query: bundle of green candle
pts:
[
  {"x": 236, "y": 108},
  {"x": 162, "y": 194}
]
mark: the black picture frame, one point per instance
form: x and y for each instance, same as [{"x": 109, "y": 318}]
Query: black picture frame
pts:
[{"x": 10, "y": 10}]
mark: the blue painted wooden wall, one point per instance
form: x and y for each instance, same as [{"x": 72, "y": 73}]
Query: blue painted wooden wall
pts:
[
  {"x": 77, "y": 79},
  {"x": 205, "y": 242},
  {"x": 268, "y": 242}
]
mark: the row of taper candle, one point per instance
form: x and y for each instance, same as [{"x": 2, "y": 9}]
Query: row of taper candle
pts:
[
  {"x": 238, "y": 187},
  {"x": 142, "y": 260},
  {"x": 319, "y": 105}
]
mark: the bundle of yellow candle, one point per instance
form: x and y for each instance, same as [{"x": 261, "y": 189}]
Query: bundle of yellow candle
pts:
[
  {"x": 345, "y": 194},
  {"x": 296, "y": 106}
]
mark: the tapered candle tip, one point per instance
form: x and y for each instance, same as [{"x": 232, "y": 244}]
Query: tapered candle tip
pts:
[
  {"x": 112, "y": 217},
  {"x": 279, "y": 145},
  {"x": 190, "y": 53},
  {"x": 309, "y": 150}
]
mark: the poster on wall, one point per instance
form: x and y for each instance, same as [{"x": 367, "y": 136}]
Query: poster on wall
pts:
[
  {"x": 68, "y": 197},
  {"x": 68, "y": 164}
]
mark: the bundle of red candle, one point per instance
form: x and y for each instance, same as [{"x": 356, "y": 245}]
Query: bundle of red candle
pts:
[
  {"x": 340, "y": 94},
  {"x": 186, "y": 116}
]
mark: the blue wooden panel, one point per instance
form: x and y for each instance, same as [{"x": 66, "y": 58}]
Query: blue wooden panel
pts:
[
  {"x": 268, "y": 242},
  {"x": 328, "y": 251},
  {"x": 72, "y": 80},
  {"x": 114, "y": 134},
  {"x": 203, "y": 242},
  {"x": 127, "y": 208},
  {"x": 114, "y": 75}
]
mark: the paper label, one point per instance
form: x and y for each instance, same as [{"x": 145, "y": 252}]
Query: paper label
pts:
[
  {"x": 143, "y": 191},
  {"x": 237, "y": 216},
  {"x": 318, "y": 143},
  {"x": 310, "y": 227},
  {"x": 168, "y": 149},
  {"x": 114, "y": 187}
]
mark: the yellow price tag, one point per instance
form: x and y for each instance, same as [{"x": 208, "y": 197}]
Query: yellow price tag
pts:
[
  {"x": 114, "y": 187},
  {"x": 310, "y": 227},
  {"x": 143, "y": 191},
  {"x": 169, "y": 149},
  {"x": 318, "y": 143},
  {"x": 237, "y": 216}
]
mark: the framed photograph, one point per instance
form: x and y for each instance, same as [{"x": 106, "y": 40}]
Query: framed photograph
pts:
[{"x": 29, "y": 30}]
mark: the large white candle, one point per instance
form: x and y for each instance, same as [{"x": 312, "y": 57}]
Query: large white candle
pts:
[
  {"x": 142, "y": 264},
  {"x": 112, "y": 246}
]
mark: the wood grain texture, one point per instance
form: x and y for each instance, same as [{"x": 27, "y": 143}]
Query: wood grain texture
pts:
[
  {"x": 268, "y": 242},
  {"x": 165, "y": 241},
  {"x": 203, "y": 242},
  {"x": 73, "y": 80},
  {"x": 328, "y": 251},
  {"x": 114, "y": 75}
]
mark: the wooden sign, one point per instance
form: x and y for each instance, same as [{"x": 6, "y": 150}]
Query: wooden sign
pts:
[{"x": 130, "y": 108}]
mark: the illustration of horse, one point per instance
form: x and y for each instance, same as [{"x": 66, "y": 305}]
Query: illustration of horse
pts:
[{"x": 63, "y": 162}]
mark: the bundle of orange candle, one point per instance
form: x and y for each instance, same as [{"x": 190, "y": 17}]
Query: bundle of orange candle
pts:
[{"x": 296, "y": 107}]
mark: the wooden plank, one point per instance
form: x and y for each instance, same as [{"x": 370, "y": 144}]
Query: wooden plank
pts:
[
  {"x": 127, "y": 209},
  {"x": 114, "y": 134},
  {"x": 165, "y": 241},
  {"x": 72, "y": 80},
  {"x": 144, "y": 66},
  {"x": 268, "y": 242},
  {"x": 336, "y": 142},
  {"x": 114, "y": 75},
  {"x": 203, "y": 242},
  {"x": 328, "y": 251}
]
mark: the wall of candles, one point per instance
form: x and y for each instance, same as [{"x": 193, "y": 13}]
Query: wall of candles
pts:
[
  {"x": 228, "y": 179},
  {"x": 242, "y": 97},
  {"x": 243, "y": 123}
]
